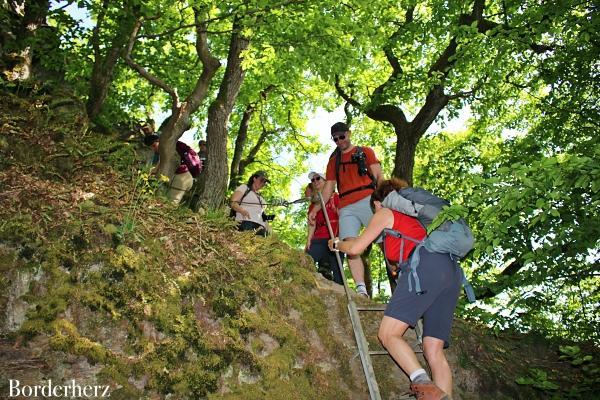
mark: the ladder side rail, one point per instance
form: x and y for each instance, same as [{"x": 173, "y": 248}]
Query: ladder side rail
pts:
[{"x": 361, "y": 341}]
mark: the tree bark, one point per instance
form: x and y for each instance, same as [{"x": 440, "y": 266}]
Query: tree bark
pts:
[
  {"x": 240, "y": 142},
  {"x": 406, "y": 147},
  {"x": 214, "y": 180},
  {"x": 104, "y": 64},
  {"x": 409, "y": 133},
  {"x": 179, "y": 120},
  {"x": 18, "y": 58}
]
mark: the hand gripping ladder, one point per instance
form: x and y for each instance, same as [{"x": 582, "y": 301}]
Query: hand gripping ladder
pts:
[{"x": 361, "y": 340}]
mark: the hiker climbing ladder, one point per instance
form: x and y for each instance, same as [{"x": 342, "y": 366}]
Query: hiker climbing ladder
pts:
[{"x": 353, "y": 310}]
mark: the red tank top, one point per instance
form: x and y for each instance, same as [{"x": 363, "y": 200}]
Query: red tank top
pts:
[
  {"x": 407, "y": 226},
  {"x": 321, "y": 231}
]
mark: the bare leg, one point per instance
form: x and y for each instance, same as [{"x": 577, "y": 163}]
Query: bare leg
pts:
[
  {"x": 357, "y": 269},
  {"x": 433, "y": 350},
  {"x": 391, "y": 332}
]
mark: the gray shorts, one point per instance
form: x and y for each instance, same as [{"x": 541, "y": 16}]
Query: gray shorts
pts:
[
  {"x": 441, "y": 280},
  {"x": 354, "y": 216}
]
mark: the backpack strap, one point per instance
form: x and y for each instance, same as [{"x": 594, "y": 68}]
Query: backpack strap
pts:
[
  {"x": 246, "y": 194},
  {"x": 338, "y": 162},
  {"x": 396, "y": 234},
  {"x": 412, "y": 269},
  {"x": 468, "y": 288},
  {"x": 239, "y": 201},
  {"x": 232, "y": 212}
]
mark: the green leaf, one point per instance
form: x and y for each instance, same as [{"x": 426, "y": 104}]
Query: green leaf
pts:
[{"x": 524, "y": 381}]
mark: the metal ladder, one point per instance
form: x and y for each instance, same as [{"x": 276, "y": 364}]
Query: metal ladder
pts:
[{"x": 353, "y": 309}]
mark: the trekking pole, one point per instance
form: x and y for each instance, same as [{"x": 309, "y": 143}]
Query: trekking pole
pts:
[
  {"x": 278, "y": 203},
  {"x": 359, "y": 335},
  {"x": 337, "y": 253}
]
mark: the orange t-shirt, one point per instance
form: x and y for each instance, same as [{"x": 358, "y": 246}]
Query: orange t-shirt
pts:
[{"x": 349, "y": 178}]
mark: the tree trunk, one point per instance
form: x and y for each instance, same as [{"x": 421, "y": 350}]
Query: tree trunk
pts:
[
  {"x": 18, "y": 58},
  {"x": 406, "y": 147},
  {"x": 169, "y": 159},
  {"x": 214, "y": 181},
  {"x": 104, "y": 64},
  {"x": 240, "y": 142},
  {"x": 100, "y": 81}
]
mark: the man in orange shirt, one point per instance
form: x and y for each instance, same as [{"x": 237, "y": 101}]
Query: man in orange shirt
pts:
[{"x": 356, "y": 171}]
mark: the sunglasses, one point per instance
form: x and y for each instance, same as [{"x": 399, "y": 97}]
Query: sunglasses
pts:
[
  {"x": 340, "y": 137},
  {"x": 316, "y": 178}
]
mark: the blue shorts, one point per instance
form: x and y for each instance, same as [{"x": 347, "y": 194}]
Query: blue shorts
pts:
[
  {"x": 354, "y": 216},
  {"x": 441, "y": 280}
]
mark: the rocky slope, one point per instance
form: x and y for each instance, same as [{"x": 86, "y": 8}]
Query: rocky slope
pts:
[{"x": 105, "y": 284}]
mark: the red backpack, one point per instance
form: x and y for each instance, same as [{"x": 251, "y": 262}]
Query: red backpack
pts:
[{"x": 190, "y": 158}]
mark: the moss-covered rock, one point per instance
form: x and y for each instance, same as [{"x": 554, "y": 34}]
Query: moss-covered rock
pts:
[{"x": 104, "y": 283}]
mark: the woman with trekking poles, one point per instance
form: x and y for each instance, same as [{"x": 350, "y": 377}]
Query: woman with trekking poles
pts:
[
  {"x": 318, "y": 234},
  {"x": 440, "y": 278},
  {"x": 249, "y": 206}
]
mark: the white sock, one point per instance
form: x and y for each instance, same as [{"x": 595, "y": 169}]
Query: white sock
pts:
[{"x": 419, "y": 375}]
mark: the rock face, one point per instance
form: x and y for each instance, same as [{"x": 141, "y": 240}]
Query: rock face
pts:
[
  {"x": 16, "y": 307},
  {"x": 106, "y": 285}
]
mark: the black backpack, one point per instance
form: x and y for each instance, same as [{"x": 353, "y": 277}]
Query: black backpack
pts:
[
  {"x": 232, "y": 211},
  {"x": 358, "y": 158}
]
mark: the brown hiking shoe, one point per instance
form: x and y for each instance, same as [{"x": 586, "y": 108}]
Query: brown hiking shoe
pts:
[{"x": 428, "y": 391}]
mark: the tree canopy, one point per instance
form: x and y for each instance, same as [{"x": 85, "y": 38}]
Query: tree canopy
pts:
[{"x": 524, "y": 171}]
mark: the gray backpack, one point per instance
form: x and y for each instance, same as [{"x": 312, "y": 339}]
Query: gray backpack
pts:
[{"x": 453, "y": 237}]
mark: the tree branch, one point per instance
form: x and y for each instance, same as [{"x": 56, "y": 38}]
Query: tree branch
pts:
[
  {"x": 295, "y": 132},
  {"x": 141, "y": 70},
  {"x": 237, "y": 165},
  {"x": 233, "y": 12},
  {"x": 344, "y": 95},
  {"x": 210, "y": 64},
  {"x": 96, "y": 31},
  {"x": 256, "y": 148},
  {"x": 391, "y": 57},
  {"x": 436, "y": 99},
  {"x": 348, "y": 113},
  {"x": 384, "y": 112}
]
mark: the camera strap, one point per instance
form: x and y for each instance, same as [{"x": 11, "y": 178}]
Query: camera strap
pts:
[{"x": 338, "y": 163}]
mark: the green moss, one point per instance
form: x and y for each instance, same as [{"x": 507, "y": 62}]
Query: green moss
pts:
[
  {"x": 67, "y": 339},
  {"x": 150, "y": 280},
  {"x": 19, "y": 229},
  {"x": 125, "y": 258}
]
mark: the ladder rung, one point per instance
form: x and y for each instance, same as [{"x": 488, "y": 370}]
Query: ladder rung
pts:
[
  {"x": 379, "y": 353},
  {"x": 372, "y": 308}
]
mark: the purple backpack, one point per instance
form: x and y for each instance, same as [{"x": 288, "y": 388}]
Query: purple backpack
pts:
[{"x": 190, "y": 158}]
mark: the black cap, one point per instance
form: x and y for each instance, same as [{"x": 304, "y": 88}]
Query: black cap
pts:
[
  {"x": 150, "y": 139},
  {"x": 261, "y": 174},
  {"x": 339, "y": 127}
]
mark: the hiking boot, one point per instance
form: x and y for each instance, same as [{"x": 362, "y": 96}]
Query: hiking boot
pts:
[
  {"x": 362, "y": 291},
  {"x": 326, "y": 273},
  {"x": 427, "y": 391}
]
